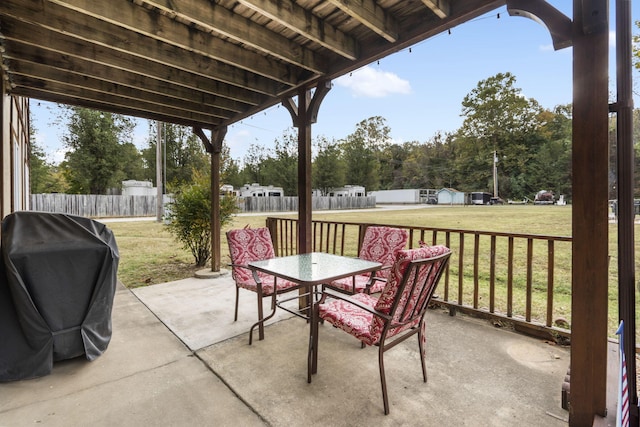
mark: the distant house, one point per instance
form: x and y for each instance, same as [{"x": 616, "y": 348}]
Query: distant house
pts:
[
  {"x": 348, "y": 191},
  {"x": 450, "y": 196},
  {"x": 257, "y": 190},
  {"x": 132, "y": 187}
]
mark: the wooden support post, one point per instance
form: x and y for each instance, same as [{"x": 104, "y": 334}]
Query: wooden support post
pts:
[
  {"x": 304, "y": 173},
  {"x": 626, "y": 209},
  {"x": 590, "y": 212},
  {"x": 303, "y": 115},
  {"x": 214, "y": 147},
  {"x": 159, "y": 189}
]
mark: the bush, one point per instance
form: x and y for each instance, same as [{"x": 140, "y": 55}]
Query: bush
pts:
[{"x": 190, "y": 217}]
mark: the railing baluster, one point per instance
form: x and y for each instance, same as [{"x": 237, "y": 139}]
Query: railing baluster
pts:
[
  {"x": 315, "y": 239},
  {"x": 460, "y": 268},
  {"x": 550, "y": 268},
  {"x": 510, "y": 278},
  {"x": 529, "y": 278},
  {"x": 492, "y": 276},
  {"x": 292, "y": 240},
  {"x": 446, "y": 272},
  {"x": 476, "y": 258}
]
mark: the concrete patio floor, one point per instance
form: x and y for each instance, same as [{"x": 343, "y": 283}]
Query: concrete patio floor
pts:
[{"x": 177, "y": 358}]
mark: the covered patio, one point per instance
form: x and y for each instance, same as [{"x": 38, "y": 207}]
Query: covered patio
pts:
[
  {"x": 211, "y": 64},
  {"x": 177, "y": 357}
]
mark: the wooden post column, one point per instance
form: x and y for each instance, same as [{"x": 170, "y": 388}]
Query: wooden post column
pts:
[
  {"x": 214, "y": 147},
  {"x": 626, "y": 210},
  {"x": 589, "y": 282},
  {"x": 305, "y": 207},
  {"x": 303, "y": 115}
]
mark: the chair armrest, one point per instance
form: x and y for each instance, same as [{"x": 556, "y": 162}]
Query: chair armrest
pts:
[
  {"x": 245, "y": 266},
  {"x": 374, "y": 278},
  {"x": 350, "y": 300}
]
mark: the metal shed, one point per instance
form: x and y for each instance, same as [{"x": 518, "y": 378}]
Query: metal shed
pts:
[{"x": 450, "y": 196}]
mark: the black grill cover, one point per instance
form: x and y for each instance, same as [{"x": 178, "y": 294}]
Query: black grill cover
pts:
[{"x": 56, "y": 293}]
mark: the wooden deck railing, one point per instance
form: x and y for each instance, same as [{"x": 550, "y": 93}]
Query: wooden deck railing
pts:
[{"x": 516, "y": 280}]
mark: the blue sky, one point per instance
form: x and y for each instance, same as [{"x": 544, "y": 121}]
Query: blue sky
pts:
[{"x": 418, "y": 92}]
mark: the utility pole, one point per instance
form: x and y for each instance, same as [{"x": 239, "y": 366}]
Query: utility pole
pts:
[
  {"x": 495, "y": 174},
  {"x": 159, "y": 201}
]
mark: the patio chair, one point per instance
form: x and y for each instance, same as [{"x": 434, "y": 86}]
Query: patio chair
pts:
[
  {"x": 380, "y": 244},
  {"x": 397, "y": 314},
  {"x": 255, "y": 244}
]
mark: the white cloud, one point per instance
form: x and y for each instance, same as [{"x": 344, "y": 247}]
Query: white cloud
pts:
[
  {"x": 57, "y": 156},
  {"x": 369, "y": 82},
  {"x": 612, "y": 39}
]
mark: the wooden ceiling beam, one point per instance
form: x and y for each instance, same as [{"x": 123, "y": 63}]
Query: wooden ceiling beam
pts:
[
  {"x": 152, "y": 85},
  {"x": 220, "y": 20},
  {"x": 416, "y": 32},
  {"x": 441, "y": 8},
  {"x": 165, "y": 61},
  {"x": 188, "y": 49},
  {"x": 369, "y": 14},
  {"x": 294, "y": 17},
  {"x": 82, "y": 96},
  {"x": 37, "y": 94},
  {"x": 184, "y": 52},
  {"x": 23, "y": 70}
]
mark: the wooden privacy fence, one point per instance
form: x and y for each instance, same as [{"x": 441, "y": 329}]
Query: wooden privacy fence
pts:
[
  {"x": 93, "y": 205},
  {"x": 290, "y": 204},
  {"x": 101, "y": 206},
  {"x": 521, "y": 280}
]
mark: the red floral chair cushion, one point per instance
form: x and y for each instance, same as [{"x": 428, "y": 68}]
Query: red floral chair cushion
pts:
[
  {"x": 380, "y": 244},
  {"x": 349, "y": 317},
  {"x": 363, "y": 324},
  {"x": 397, "y": 314},
  {"x": 253, "y": 244},
  {"x": 408, "y": 297}
]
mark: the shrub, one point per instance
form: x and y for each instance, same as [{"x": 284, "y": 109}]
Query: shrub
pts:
[{"x": 189, "y": 217}]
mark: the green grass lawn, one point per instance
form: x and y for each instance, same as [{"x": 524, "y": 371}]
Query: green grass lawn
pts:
[{"x": 150, "y": 255}]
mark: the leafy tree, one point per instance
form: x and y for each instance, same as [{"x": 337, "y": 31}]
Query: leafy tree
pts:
[
  {"x": 636, "y": 48},
  {"x": 551, "y": 168},
  {"x": 280, "y": 168},
  {"x": 362, "y": 152},
  {"x": 329, "y": 170},
  {"x": 97, "y": 153},
  {"x": 498, "y": 118},
  {"x": 229, "y": 169},
  {"x": 184, "y": 152},
  {"x": 41, "y": 173},
  {"x": 254, "y": 164},
  {"x": 392, "y": 158},
  {"x": 190, "y": 216},
  {"x": 428, "y": 165}
]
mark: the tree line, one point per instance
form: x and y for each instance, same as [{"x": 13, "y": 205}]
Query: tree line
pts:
[{"x": 531, "y": 144}]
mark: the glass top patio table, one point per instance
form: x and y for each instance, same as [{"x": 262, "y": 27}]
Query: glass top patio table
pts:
[
  {"x": 314, "y": 268},
  {"x": 310, "y": 270}
]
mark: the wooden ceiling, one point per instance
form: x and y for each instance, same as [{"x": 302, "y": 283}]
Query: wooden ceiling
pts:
[{"x": 204, "y": 63}]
